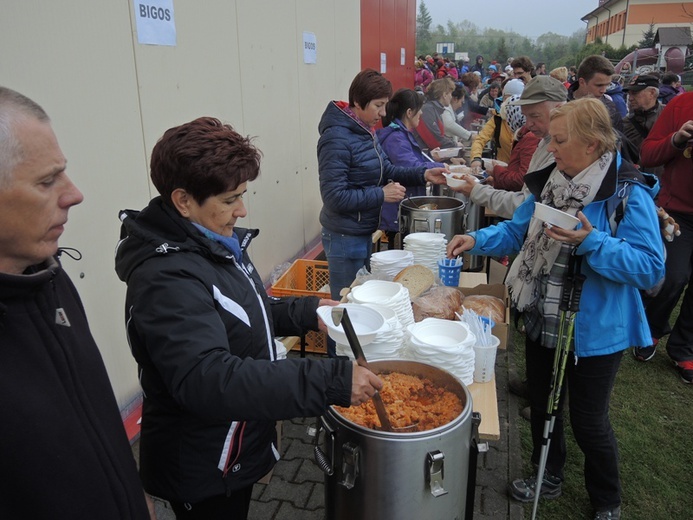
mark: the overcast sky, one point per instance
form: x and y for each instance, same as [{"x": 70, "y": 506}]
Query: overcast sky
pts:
[{"x": 530, "y": 18}]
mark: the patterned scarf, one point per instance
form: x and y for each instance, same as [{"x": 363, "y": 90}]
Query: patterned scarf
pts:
[{"x": 539, "y": 252}]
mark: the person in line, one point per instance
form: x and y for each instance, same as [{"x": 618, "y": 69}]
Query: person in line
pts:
[
  {"x": 667, "y": 88},
  {"x": 488, "y": 100},
  {"x": 496, "y": 130},
  {"x": 617, "y": 94},
  {"x": 472, "y": 109},
  {"x": 355, "y": 176},
  {"x": 201, "y": 328},
  {"x": 561, "y": 74},
  {"x": 643, "y": 111},
  {"x": 670, "y": 143},
  {"x": 478, "y": 65},
  {"x": 63, "y": 447},
  {"x": 423, "y": 76},
  {"x": 538, "y": 99},
  {"x": 585, "y": 175},
  {"x": 454, "y": 112},
  {"x": 402, "y": 116},
  {"x": 540, "y": 69},
  {"x": 522, "y": 68},
  {"x": 431, "y": 134},
  {"x": 593, "y": 79}
]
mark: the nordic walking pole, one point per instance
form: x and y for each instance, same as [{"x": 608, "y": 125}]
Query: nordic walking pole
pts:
[{"x": 559, "y": 363}]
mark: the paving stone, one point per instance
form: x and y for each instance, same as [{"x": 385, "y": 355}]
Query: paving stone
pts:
[
  {"x": 289, "y": 512},
  {"x": 287, "y": 469},
  {"x": 262, "y": 510},
  {"x": 309, "y": 471},
  {"x": 283, "y": 490}
]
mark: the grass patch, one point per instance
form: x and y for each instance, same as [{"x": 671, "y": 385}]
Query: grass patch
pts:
[{"x": 652, "y": 416}]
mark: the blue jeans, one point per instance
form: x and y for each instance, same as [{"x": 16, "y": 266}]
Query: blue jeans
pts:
[
  {"x": 589, "y": 383},
  {"x": 346, "y": 254}
]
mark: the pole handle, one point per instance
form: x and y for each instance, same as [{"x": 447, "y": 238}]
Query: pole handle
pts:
[
  {"x": 564, "y": 305},
  {"x": 578, "y": 282}
]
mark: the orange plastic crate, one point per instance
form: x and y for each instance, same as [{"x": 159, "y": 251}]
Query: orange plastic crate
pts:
[
  {"x": 303, "y": 278},
  {"x": 316, "y": 342}
]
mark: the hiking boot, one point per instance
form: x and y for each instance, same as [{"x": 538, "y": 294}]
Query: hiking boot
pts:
[
  {"x": 645, "y": 353},
  {"x": 526, "y": 413},
  {"x": 685, "y": 370},
  {"x": 522, "y": 490},
  {"x": 608, "y": 514},
  {"x": 517, "y": 385}
]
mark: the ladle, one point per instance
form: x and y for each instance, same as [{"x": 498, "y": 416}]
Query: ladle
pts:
[{"x": 340, "y": 315}]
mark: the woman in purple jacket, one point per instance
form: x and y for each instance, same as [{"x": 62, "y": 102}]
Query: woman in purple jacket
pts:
[{"x": 402, "y": 115}]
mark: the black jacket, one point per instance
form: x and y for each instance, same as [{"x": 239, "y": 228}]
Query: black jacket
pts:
[
  {"x": 63, "y": 448},
  {"x": 201, "y": 328}
]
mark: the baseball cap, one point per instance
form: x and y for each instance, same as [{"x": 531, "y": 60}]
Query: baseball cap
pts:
[
  {"x": 639, "y": 83},
  {"x": 542, "y": 88}
]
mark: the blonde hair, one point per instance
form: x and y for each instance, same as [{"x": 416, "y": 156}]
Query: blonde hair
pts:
[
  {"x": 587, "y": 119},
  {"x": 439, "y": 87},
  {"x": 560, "y": 73}
]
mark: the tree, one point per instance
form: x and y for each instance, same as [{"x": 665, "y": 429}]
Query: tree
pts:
[
  {"x": 648, "y": 37},
  {"x": 423, "y": 29}
]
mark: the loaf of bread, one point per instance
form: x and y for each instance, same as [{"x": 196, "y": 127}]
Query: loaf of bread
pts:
[
  {"x": 485, "y": 305},
  {"x": 417, "y": 278},
  {"x": 440, "y": 302}
]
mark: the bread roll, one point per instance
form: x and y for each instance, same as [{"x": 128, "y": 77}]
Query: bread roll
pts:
[
  {"x": 485, "y": 305},
  {"x": 417, "y": 278},
  {"x": 440, "y": 302}
]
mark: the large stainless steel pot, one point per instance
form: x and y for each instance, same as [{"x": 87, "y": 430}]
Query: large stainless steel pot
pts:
[
  {"x": 447, "y": 217},
  {"x": 372, "y": 474}
]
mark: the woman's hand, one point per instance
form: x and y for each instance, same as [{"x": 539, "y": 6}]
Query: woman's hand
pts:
[
  {"x": 468, "y": 183},
  {"x": 435, "y": 175},
  {"x": 364, "y": 384},
  {"x": 331, "y": 303},
  {"x": 394, "y": 192},
  {"x": 570, "y": 236},
  {"x": 459, "y": 244}
]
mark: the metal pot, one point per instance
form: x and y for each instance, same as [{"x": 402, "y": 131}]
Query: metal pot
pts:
[
  {"x": 372, "y": 474},
  {"x": 447, "y": 218}
]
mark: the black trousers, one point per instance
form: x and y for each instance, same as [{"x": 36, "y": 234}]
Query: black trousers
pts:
[
  {"x": 234, "y": 507},
  {"x": 589, "y": 383},
  {"x": 679, "y": 268}
]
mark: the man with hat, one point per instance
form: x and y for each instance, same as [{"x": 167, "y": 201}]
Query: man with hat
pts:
[
  {"x": 541, "y": 95},
  {"x": 643, "y": 109}
]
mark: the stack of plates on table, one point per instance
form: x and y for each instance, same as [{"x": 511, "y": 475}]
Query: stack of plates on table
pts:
[
  {"x": 387, "y": 264},
  {"x": 387, "y": 344},
  {"x": 388, "y": 294},
  {"x": 445, "y": 343},
  {"x": 427, "y": 248}
]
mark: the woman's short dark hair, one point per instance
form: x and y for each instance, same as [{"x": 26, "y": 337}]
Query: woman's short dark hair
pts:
[
  {"x": 205, "y": 158},
  {"x": 403, "y": 100},
  {"x": 367, "y": 86},
  {"x": 459, "y": 93}
]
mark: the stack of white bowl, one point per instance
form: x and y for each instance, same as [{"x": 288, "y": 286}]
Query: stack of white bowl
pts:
[
  {"x": 387, "y": 264},
  {"x": 427, "y": 248},
  {"x": 389, "y": 294},
  {"x": 387, "y": 344},
  {"x": 444, "y": 343}
]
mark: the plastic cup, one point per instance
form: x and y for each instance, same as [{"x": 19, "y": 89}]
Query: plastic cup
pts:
[
  {"x": 485, "y": 361},
  {"x": 449, "y": 271}
]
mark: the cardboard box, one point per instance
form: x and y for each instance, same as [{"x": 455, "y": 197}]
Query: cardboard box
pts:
[{"x": 499, "y": 291}]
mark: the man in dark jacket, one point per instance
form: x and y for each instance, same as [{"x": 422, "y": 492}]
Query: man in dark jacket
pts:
[
  {"x": 593, "y": 79},
  {"x": 644, "y": 109},
  {"x": 63, "y": 448}
]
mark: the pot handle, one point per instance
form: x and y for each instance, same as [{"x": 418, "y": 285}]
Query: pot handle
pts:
[{"x": 324, "y": 461}]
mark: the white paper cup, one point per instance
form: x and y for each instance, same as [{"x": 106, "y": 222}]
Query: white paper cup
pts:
[{"x": 485, "y": 361}]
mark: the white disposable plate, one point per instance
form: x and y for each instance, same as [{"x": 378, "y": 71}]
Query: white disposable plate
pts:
[{"x": 554, "y": 216}]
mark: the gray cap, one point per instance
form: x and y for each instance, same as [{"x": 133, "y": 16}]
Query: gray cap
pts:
[{"x": 542, "y": 88}]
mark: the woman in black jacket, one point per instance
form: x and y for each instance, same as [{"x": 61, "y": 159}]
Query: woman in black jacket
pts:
[{"x": 202, "y": 328}]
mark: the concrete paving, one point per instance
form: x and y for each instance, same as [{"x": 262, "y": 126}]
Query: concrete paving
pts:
[{"x": 296, "y": 490}]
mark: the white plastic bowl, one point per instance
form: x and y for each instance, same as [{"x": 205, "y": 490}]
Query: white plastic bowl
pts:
[
  {"x": 376, "y": 291},
  {"x": 391, "y": 256},
  {"x": 439, "y": 333},
  {"x": 446, "y": 153},
  {"x": 367, "y": 323},
  {"x": 554, "y": 216},
  {"x": 452, "y": 181}
]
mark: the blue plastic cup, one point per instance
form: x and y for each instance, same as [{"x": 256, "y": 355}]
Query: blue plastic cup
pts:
[{"x": 449, "y": 271}]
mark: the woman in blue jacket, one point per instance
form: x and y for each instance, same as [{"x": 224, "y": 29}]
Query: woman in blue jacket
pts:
[
  {"x": 616, "y": 265},
  {"x": 356, "y": 177},
  {"x": 402, "y": 115}
]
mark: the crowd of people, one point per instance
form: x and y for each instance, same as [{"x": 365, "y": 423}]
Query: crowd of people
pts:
[{"x": 201, "y": 327}]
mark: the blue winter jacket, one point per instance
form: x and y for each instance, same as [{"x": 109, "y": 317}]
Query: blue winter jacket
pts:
[
  {"x": 618, "y": 96},
  {"x": 400, "y": 145},
  {"x": 611, "y": 316},
  {"x": 353, "y": 168}
]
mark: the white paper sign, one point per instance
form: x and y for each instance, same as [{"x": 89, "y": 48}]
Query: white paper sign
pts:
[
  {"x": 402, "y": 56},
  {"x": 155, "y": 22},
  {"x": 310, "y": 48},
  {"x": 383, "y": 63}
]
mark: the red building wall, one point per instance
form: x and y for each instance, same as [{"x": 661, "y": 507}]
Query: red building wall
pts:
[{"x": 387, "y": 26}]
